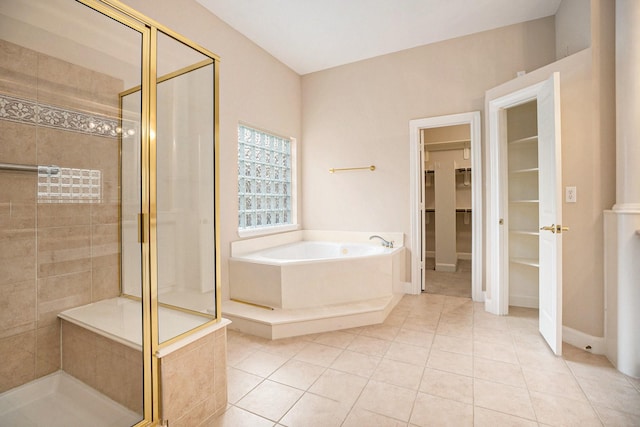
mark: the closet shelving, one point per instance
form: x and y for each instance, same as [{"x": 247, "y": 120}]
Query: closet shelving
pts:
[{"x": 523, "y": 206}]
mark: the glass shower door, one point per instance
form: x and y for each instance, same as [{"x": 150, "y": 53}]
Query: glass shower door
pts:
[{"x": 63, "y": 66}]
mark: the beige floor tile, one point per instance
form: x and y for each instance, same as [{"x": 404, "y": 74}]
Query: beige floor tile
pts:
[
  {"x": 495, "y": 351},
  {"x": 616, "y": 396},
  {"x": 452, "y": 344},
  {"x": 237, "y": 353},
  {"x": 466, "y": 356},
  {"x": 503, "y": 398},
  {"x": 544, "y": 360},
  {"x": 554, "y": 410},
  {"x": 270, "y": 400},
  {"x": 356, "y": 363},
  {"x": 498, "y": 372},
  {"x": 447, "y": 385},
  {"x": 339, "y": 386},
  {"x": 635, "y": 382},
  {"x": 236, "y": 417},
  {"x": 369, "y": 345},
  {"x": 483, "y": 417},
  {"x": 556, "y": 383},
  {"x": 422, "y": 324},
  {"x": 432, "y": 410},
  {"x": 398, "y": 373},
  {"x": 286, "y": 347},
  {"x": 491, "y": 335},
  {"x": 261, "y": 363},
  {"x": 408, "y": 336},
  {"x": 496, "y": 323},
  {"x": 297, "y": 374},
  {"x": 388, "y": 400},
  {"x": 407, "y": 353},
  {"x": 383, "y": 332},
  {"x": 240, "y": 383},
  {"x": 603, "y": 373},
  {"x": 451, "y": 362},
  {"x": 359, "y": 418},
  {"x": 613, "y": 418},
  {"x": 395, "y": 319},
  {"x": 316, "y": 411},
  {"x": 455, "y": 330},
  {"x": 318, "y": 354},
  {"x": 335, "y": 339}
]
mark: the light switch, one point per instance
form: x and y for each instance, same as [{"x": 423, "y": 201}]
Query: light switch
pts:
[{"x": 570, "y": 195}]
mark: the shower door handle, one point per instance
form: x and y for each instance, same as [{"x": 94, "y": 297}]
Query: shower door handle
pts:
[{"x": 140, "y": 228}]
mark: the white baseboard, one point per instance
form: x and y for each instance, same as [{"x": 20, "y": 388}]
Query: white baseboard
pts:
[
  {"x": 451, "y": 268},
  {"x": 523, "y": 301},
  {"x": 582, "y": 340}
]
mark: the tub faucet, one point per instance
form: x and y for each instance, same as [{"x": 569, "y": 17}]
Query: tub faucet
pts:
[{"x": 385, "y": 243}]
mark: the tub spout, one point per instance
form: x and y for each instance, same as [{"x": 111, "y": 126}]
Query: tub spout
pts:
[{"x": 385, "y": 243}]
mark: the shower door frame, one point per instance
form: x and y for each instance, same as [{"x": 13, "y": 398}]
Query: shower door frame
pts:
[{"x": 149, "y": 30}]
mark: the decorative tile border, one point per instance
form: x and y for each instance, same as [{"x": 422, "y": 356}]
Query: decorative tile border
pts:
[{"x": 33, "y": 113}]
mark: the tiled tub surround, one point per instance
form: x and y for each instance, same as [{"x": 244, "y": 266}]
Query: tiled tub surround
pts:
[
  {"x": 53, "y": 256},
  {"x": 101, "y": 346},
  {"x": 317, "y": 287}
]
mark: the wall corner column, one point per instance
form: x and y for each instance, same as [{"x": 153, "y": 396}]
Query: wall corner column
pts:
[{"x": 622, "y": 243}]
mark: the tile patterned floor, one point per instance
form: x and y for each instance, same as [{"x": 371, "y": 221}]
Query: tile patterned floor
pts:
[{"x": 436, "y": 361}]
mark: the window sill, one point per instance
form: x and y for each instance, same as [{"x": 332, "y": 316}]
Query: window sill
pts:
[{"x": 268, "y": 230}]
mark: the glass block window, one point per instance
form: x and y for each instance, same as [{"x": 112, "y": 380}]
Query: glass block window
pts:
[{"x": 264, "y": 179}]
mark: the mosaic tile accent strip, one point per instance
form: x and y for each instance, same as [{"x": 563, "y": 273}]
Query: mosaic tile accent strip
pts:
[
  {"x": 69, "y": 185},
  {"x": 31, "y": 112}
]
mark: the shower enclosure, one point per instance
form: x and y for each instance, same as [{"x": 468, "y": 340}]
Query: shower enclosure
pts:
[{"x": 108, "y": 187}]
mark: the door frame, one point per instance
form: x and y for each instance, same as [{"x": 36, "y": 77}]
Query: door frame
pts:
[
  {"x": 497, "y": 292},
  {"x": 416, "y": 182}
]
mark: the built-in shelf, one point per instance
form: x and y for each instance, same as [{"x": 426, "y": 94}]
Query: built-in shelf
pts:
[
  {"x": 447, "y": 145},
  {"x": 524, "y": 201},
  {"x": 462, "y": 170},
  {"x": 531, "y": 262},
  {"x": 529, "y": 170},
  {"x": 527, "y": 140},
  {"x": 463, "y": 209},
  {"x": 524, "y": 232}
]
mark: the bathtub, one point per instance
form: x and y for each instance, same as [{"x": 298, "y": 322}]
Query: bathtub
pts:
[{"x": 313, "y": 273}]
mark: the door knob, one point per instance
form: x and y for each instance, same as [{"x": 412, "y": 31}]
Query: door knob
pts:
[
  {"x": 560, "y": 229},
  {"x": 551, "y": 228}
]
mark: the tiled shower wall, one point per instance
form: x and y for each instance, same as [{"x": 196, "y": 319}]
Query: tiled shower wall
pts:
[{"x": 53, "y": 256}]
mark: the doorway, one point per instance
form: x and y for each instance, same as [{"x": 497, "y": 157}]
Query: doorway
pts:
[
  {"x": 446, "y": 226},
  {"x": 524, "y": 220},
  {"x": 423, "y": 242}
]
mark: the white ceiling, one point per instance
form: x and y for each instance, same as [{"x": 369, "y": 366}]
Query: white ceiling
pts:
[{"x": 313, "y": 35}]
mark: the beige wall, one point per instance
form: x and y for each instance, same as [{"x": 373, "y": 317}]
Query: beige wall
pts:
[
  {"x": 53, "y": 256},
  {"x": 358, "y": 114},
  {"x": 573, "y": 27},
  {"x": 588, "y": 162},
  {"x": 255, "y": 88}
]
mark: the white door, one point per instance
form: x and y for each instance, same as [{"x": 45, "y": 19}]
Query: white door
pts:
[
  {"x": 550, "y": 213},
  {"x": 423, "y": 219}
]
